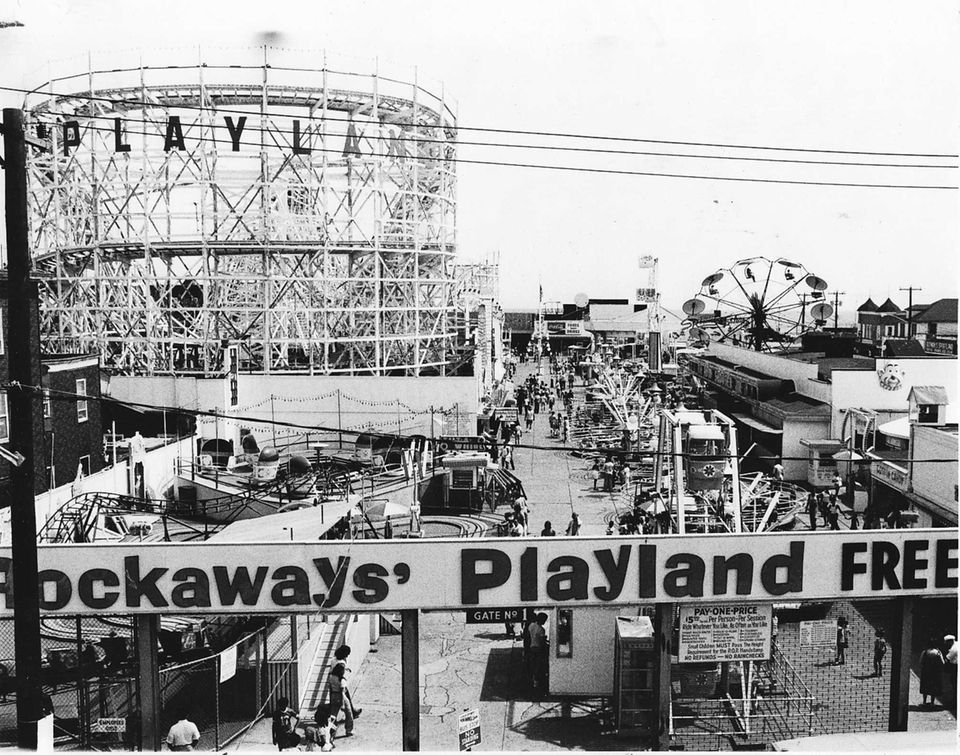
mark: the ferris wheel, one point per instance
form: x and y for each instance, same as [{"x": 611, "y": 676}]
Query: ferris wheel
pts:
[{"x": 757, "y": 303}]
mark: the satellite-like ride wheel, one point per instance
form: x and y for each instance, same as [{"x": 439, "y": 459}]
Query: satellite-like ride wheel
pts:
[{"x": 757, "y": 303}]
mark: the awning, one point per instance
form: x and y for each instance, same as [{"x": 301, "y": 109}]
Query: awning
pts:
[
  {"x": 757, "y": 424},
  {"x": 897, "y": 428}
]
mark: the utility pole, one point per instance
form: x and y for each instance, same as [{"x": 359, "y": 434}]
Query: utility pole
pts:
[
  {"x": 24, "y": 347},
  {"x": 911, "y": 289},
  {"x": 836, "y": 307}
]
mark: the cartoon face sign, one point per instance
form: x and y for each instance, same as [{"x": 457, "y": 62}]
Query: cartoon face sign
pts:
[{"x": 890, "y": 377}]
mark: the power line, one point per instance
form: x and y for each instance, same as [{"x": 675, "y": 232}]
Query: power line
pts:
[
  {"x": 614, "y": 171},
  {"x": 547, "y": 147},
  {"x": 452, "y": 127},
  {"x": 70, "y": 396}
]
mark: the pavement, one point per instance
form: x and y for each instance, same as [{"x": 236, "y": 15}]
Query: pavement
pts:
[{"x": 464, "y": 667}]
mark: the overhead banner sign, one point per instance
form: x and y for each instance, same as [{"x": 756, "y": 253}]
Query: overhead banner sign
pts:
[
  {"x": 710, "y": 634},
  {"x": 459, "y": 574}
]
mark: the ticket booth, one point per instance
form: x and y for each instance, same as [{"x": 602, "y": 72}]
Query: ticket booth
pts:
[{"x": 634, "y": 701}]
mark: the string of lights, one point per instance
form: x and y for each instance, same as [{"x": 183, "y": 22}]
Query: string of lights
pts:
[{"x": 69, "y": 396}]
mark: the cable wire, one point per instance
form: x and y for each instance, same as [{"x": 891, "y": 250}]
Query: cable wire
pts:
[
  {"x": 457, "y": 127},
  {"x": 459, "y": 143},
  {"x": 613, "y": 171}
]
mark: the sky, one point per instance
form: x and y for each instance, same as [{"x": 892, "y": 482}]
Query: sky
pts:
[{"x": 850, "y": 75}]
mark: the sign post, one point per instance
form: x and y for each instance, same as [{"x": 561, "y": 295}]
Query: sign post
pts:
[{"x": 468, "y": 727}]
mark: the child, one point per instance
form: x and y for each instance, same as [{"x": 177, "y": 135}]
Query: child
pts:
[{"x": 879, "y": 650}]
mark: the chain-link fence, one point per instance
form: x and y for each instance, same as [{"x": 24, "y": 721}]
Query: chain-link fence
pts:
[
  {"x": 810, "y": 685},
  {"x": 89, "y": 670}
]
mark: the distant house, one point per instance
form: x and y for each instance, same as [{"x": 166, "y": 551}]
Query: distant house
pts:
[
  {"x": 936, "y": 327},
  {"x": 876, "y": 324},
  {"x": 73, "y": 428}
]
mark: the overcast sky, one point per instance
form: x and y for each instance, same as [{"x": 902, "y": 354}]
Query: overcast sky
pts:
[{"x": 865, "y": 76}]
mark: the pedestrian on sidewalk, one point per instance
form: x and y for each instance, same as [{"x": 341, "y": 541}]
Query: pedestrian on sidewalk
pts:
[
  {"x": 340, "y": 696},
  {"x": 320, "y": 733},
  {"x": 812, "y": 509},
  {"x": 184, "y": 734},
  {"x": 879, "y": 651},
  {"x": 566, "y": 429},
  {"x": 931, "y": 672},
  {"x": 547, "y": 530},
  {"x": 833, "y": 511},
  {"x": 950, "y": 671},
  {"x": 595, "y": 472},
  {"x": 574, "y": 527},
  {"x": 284, "y": 727},
  {"x": 842, "y": 641},
  {"x": 538, "y": 652}
]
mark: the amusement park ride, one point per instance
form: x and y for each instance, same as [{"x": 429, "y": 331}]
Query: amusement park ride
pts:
[{"x": 757, "y": 303}]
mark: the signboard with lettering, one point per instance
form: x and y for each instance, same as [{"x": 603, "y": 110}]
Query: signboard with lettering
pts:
[
  {"x": 457, "y": 574},
  {"x": 494, "y": 615},
  {"x": 646, "y": 294},
  {"x": 817, "y": 633},
  {"x": 449, "y": 443},
  {"x": 940, "y": 346},
  {"x": 891, "y": 475},
  {"x": 725, "y": 633},
  {"x": 109, "y": 726},
  {"x": 468, "y": 727},
  {"x": 556, "y": 327}
]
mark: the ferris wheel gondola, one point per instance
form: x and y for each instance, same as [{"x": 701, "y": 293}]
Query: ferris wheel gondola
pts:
[{"x": 758, "y": 303}]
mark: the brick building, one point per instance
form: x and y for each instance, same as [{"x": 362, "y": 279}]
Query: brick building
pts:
[{"x": 73, "y": 429}]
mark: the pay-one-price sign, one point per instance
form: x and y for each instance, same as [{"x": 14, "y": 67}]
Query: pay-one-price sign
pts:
[
  {"x": 714, "y": 633},
  {"x": 468, "y": 725}
]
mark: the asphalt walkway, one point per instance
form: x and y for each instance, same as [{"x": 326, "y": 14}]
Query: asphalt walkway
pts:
[{"x": 466, "y": 667}]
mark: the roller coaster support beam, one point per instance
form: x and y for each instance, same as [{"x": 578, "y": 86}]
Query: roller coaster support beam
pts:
[{"x": 24, "y": 344}]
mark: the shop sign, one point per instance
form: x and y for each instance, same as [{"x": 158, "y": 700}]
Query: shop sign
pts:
[
  {"x": 556, "y": 327},
  {"x": 818, "y": 633},
  {"x": 468, "y": 727},
  {"x": 574, "y": 328},
  {"x": 940, "y": 346},
  {"x": 109, "y": 726},
  {"x": 890, "y": 475},
  {"x": 495, "y": 615},
  {"x": 647, "y": 294},
  {"x": 458, "y": 574},
  {"x": 449, "y": 443},
  {"x": 713, "y": 633}
]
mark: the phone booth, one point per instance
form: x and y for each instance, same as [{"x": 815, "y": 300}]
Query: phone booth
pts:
[{"x": 634, "y": 701}]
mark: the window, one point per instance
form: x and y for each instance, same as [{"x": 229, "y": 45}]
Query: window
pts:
[
  {"x": 85, "y": 465},
  {"x": 82, "y": 411},
  {"x": 47, "y": 409},
  {"x": 4, "y": 421}
]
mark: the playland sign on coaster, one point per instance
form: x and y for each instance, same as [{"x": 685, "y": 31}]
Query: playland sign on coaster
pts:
[{"x": 455, "y": 574}]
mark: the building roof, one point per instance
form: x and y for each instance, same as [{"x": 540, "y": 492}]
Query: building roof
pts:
[
  {"x": 798, "y": 404},
  {"x": 929, "y": 394},
  {"x": 942, "y": 310},
  {"x": 888, "y": 306},
  {"x": 903, "y": 347},
  {"x": 867, "y": 306}
]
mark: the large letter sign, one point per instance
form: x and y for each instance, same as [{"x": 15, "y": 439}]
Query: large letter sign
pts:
[{"x": 454, "y": 574}]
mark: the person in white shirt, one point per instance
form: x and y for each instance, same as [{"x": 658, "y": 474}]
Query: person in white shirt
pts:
[{"x": 183, "y": 735}]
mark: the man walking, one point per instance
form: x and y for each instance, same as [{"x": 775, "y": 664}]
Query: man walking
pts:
[{"x": 183, "y": 735}]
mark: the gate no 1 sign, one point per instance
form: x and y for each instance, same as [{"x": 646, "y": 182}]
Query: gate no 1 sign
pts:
[{"x": 468, "y": 725}]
